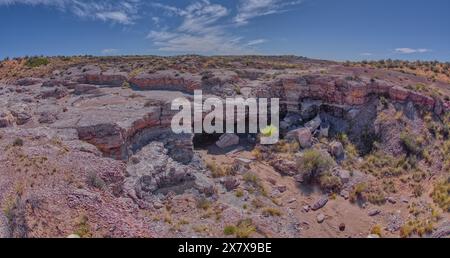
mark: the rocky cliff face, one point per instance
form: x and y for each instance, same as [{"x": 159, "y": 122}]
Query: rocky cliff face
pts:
[
  {"x": 341, "y": 91},
  {"x": 167, "y": 80}
]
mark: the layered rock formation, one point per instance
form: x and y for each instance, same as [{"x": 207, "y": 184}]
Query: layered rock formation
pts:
[
  {"x": 341, "y": 91},
  {"x": 167, "y": 80}
]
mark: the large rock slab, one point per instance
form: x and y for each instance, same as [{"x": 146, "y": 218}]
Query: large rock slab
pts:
[
  {"x": 302, "y": 135},
  {"x": 227, "y": 140}
]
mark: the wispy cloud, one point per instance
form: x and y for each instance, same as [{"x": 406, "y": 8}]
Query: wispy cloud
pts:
[
  {"x": 110, "y": 51},
  {"x": 366, "y": 54},
  {"x": 122, "y": 12},
  {"x": 256, "y": 42},
  {"x": 411, "y": 50},
  {"x": 249, "y": 9},
  {"x": 202, "y": 29}
]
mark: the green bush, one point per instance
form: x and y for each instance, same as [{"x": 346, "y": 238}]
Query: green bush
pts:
[
  {"x": 313, "y": 164},
  {"x": 37, "y": 61},
  {"x": 229, "y": 230},
  {"x": 330, "y": 183},
  {"x": 18, "y": 142},
  {"x": 411, "y": 144}
]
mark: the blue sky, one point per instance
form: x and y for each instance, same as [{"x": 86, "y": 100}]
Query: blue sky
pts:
[{"x": 325, "y": 29}]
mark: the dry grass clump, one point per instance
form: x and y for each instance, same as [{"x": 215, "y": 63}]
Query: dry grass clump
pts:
[
  {"x": 364, "y": 192},
  {"x": 441, "y": 194},
  {"x": 418, "y": 227}
]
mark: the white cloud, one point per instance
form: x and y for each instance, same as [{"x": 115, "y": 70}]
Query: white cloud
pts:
[
  {"x": 367, "y": 54},
  {"x": 256, "y": 42},
  {"x": 119, "y": 17},
  {"x": 249, "y": 9},
  {"x": 411, "y": 50},
  {"x": 123, "y": 12},
  {"x": 110, "y": 51},
  {"x": 201, "y": 30}
]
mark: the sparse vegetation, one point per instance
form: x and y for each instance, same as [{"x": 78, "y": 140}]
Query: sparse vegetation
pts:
[
  {"x": 93, "y": 180},
  {"x": 376, "y": 230},
  {"x": 313, "y": 164},
  {"x": 245, "y": 228},
  {"x": 413, "y": 144},
  {"x": 364, "y": 192},
  {"x": 83, "y": 228},
  {"x": 418, "y": 227},
  {"x": 229, "y": 230},
  {"x": 203, "y": 203},
  {"x": 18, "y": 142},
  {"x": 441, "y": 194},
  {"x": 33, "y": 62},
  {"x": 273, "y": 212}
]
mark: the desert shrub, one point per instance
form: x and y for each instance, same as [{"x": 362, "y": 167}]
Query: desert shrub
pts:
[
  {"x": 376, "y": 196},
  {"x": 382, "y": 165},
  {"x": 350, "y": 148},
  {"x": 18, "y": 142},
  {"x": 313, "y": 164},
  {"x": 93, "y": 180},
  {"x": 14, "y": 210},
  {"x": 376, "y": 230},
  {"x": 239, "y": 193},
  {"x": 329, "y": 182},
  {"x": 245, "y": 228},
  {"x": 441, "y": 194},
  {"x": 417, "y": 190},
  {"x": 389, "y": 186},
  {"x": 83, "y": 228},
  {"x": 411, "y": 143},
  {"x": 253, "y": 180},
  {"x": 216, "y": 170},
  {"x": 273, "y": 212},
  {"x": 365, "y": 193},
  {"x": 126, "y": 85},
  {"x": 229, "y": 230},
  {"x": 36, "y": 61},
  {"x": 203, "y": 203},
  {"x": 418, "y": 227},
  {"x": 257, "y": 154},
  {"x": 287, "y": 147}
]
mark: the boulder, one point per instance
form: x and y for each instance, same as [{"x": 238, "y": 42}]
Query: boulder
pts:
[
  {"x": 337, "y": 150},
  {"x": 227, "y": 140},
  {"x": 57, "y": 92},
  {"x": 158, "y": 173},
  {"x": 320, "y": 218},
  {"x": 47, "y": 117},
  {"x": 314, "y": 124},
  {"x": 230, "y": 183},
  {"x": 302, "y": 135},
  {"x": 374, "y": 212},
  {"x": 284, "y": 167},
  {"x": 343, "y": 174},
  {"x": 21, "y": 117},
  {"x": 320, "y": 203}
]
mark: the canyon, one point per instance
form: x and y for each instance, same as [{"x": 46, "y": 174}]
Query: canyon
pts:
[{"x": 88, "y": 150}]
